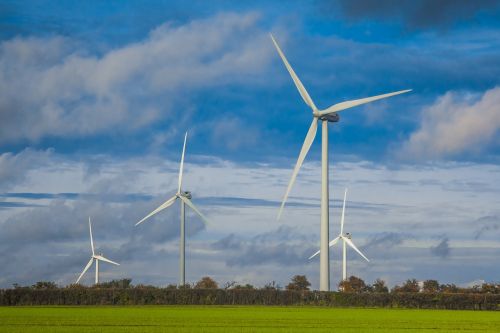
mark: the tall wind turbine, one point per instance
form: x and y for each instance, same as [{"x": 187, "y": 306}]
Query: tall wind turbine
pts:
[
  {"x": 95, "y": 257},
  {"x": 325, "y": 116},
  {"x": 346, "y": 239},
  {"x": 185, "y": 198}
]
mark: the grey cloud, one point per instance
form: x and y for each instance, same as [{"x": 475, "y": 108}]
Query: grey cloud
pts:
[
  {"x": 15, "y": 167},
  {"x": 282, "y": 246},
  {"x": 48, "y": 87},
  {"x": 421, "y": 14},
  {"x": 442, "y": 249},
  {"x": 230, "y": 242},
  {"x": 384, "y": 240},
  {"x": 107, "y": 197},
  {"x": 487, "y": 225}
]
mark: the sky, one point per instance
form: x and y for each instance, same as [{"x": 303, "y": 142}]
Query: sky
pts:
[{"x": 95, "y": 98}]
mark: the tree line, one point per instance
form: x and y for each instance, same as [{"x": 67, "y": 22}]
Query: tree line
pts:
[{"x": 353, "y": 292}]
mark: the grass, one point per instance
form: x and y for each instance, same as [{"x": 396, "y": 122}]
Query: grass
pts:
[{"x": 241, "y": 319}]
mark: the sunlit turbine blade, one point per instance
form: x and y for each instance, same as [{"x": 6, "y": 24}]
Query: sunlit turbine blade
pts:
[
  {"x": 106, "y": 260},
  {"x": 300, "y": 87},
  {"x": 351, "y": 244},
  {"x": 332, "y": 242},
  {"x": 343, "y": 214},
  {"x": 166, "y": 204},
  {"x": 190, "y": 204},
  {"x": 85, "y": 269},
  {"x": 311, "y": 134},
  {"x": 182, "y": 163},
  {"x": 356, "y": 102},
  {"x": 91, "y": 239}
]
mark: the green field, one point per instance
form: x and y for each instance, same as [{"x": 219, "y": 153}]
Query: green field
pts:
[{"x": 241, "y": 319}]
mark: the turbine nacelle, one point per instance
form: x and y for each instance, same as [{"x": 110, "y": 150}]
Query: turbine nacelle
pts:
[
  {"x": 330, "y": 117},
  {"x": 185, "y": 194}
]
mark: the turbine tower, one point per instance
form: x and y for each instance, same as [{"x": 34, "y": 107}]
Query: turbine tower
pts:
[
  {"x": 95, "y": 257},
  {"x": 346, "y": 240},
  {"x": 185, "y": 198},
  {"x": 325, "y": 116}
]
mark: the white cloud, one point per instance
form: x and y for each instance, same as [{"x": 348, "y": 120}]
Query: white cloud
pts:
[
  {"x": 51, "y": 87},
  {"x": 396, "y": 215},
  {"x": 455, "y": 124}
]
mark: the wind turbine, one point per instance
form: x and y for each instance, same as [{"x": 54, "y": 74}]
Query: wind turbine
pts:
[
  {"x": 325, "y": 116},
  {"x": 95, "y": 257},
  {"x": 346, "y": 239},
  {"x": 185, "y": 198}
]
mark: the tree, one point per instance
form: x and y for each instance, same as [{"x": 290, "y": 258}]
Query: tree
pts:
[
  {"x": 246, "y": 286},
  {"x": 449, "y": 288},
  {"x": 431, "y": 286},
  {"x": 123, "y": 283},
  {"x": 352, "y": 284},
  {"x": 299, "y": 282},
  {"x": 410, "y": 286},
  {"x": 44, "y": 285},
  {"x": 379, "y": 286},
  {"x": 206, "y": 283}
]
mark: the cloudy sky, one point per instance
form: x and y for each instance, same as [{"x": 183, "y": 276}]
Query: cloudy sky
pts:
[{"x": 95, "y": 98}]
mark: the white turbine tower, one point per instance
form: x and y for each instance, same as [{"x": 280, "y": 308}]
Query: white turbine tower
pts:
[
  {"x": 95, "y": 257},
  {"x": 327, "y": 115},
  {"x": 346, "y": 239},
  {"x": 185, "y": 197}
]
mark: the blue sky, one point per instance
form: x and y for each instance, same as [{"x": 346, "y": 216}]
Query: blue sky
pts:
[{"x": 95, "y": 98}]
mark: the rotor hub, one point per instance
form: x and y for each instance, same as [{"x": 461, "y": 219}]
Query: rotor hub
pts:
[{"x": 331, "y": 117}]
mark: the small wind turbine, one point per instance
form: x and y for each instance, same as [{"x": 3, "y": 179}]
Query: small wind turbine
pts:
[
  {"x": 95, "y": 257},
  {"x": 185, "y": 197},
  {"x": 346, "y": 239},
  {"x": 327, "y": 115}
]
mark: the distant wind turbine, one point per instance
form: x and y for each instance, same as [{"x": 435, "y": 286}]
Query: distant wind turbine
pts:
[
  {"x": 327, "y": 115},
  {"x": 346, "y": 239},
  {"x": 185, "y": 198},
  {"x": 95, "y": 257}
]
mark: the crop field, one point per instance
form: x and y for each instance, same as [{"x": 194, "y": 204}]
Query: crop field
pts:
[{"x": 241, "y": 319}]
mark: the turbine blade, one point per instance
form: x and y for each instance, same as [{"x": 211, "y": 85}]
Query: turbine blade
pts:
[
  {"x": 85, "y": 269},
  {"x": 350, "y": 104},
  {"x": 190, "y": 204},
  {"x": 311, "y": 134},
  {"x": 91, "y": 239},
  {"x": 106, "y": 260},
  {"x": 351, "y": 244},
  {"x": 332, "y": 242},
  {"x": 300, "y": 87},
  {"x": 166, "y": 204},
  {"x": 182, "y": 163},
  {"x": 343, "y": 214}
]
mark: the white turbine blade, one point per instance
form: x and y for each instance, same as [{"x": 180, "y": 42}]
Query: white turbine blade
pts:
[
  {"x": 166, "y": 204},
  {"x": 356, "y": 102},
  {"x": 343, "y": 214},
  {"x": 311, "y": 134},
  {"x": 351, "y": 244},
  {"x": 85, "y": 269},
  {"x": 106, "y": 260},
  {"x": 190, "y": 204},
  {"x": 182, "y": 163},
  {"x": 332, "y": 242},
  {"x": 91, "y": 239},
  {"x": 300, "y": 87}
]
